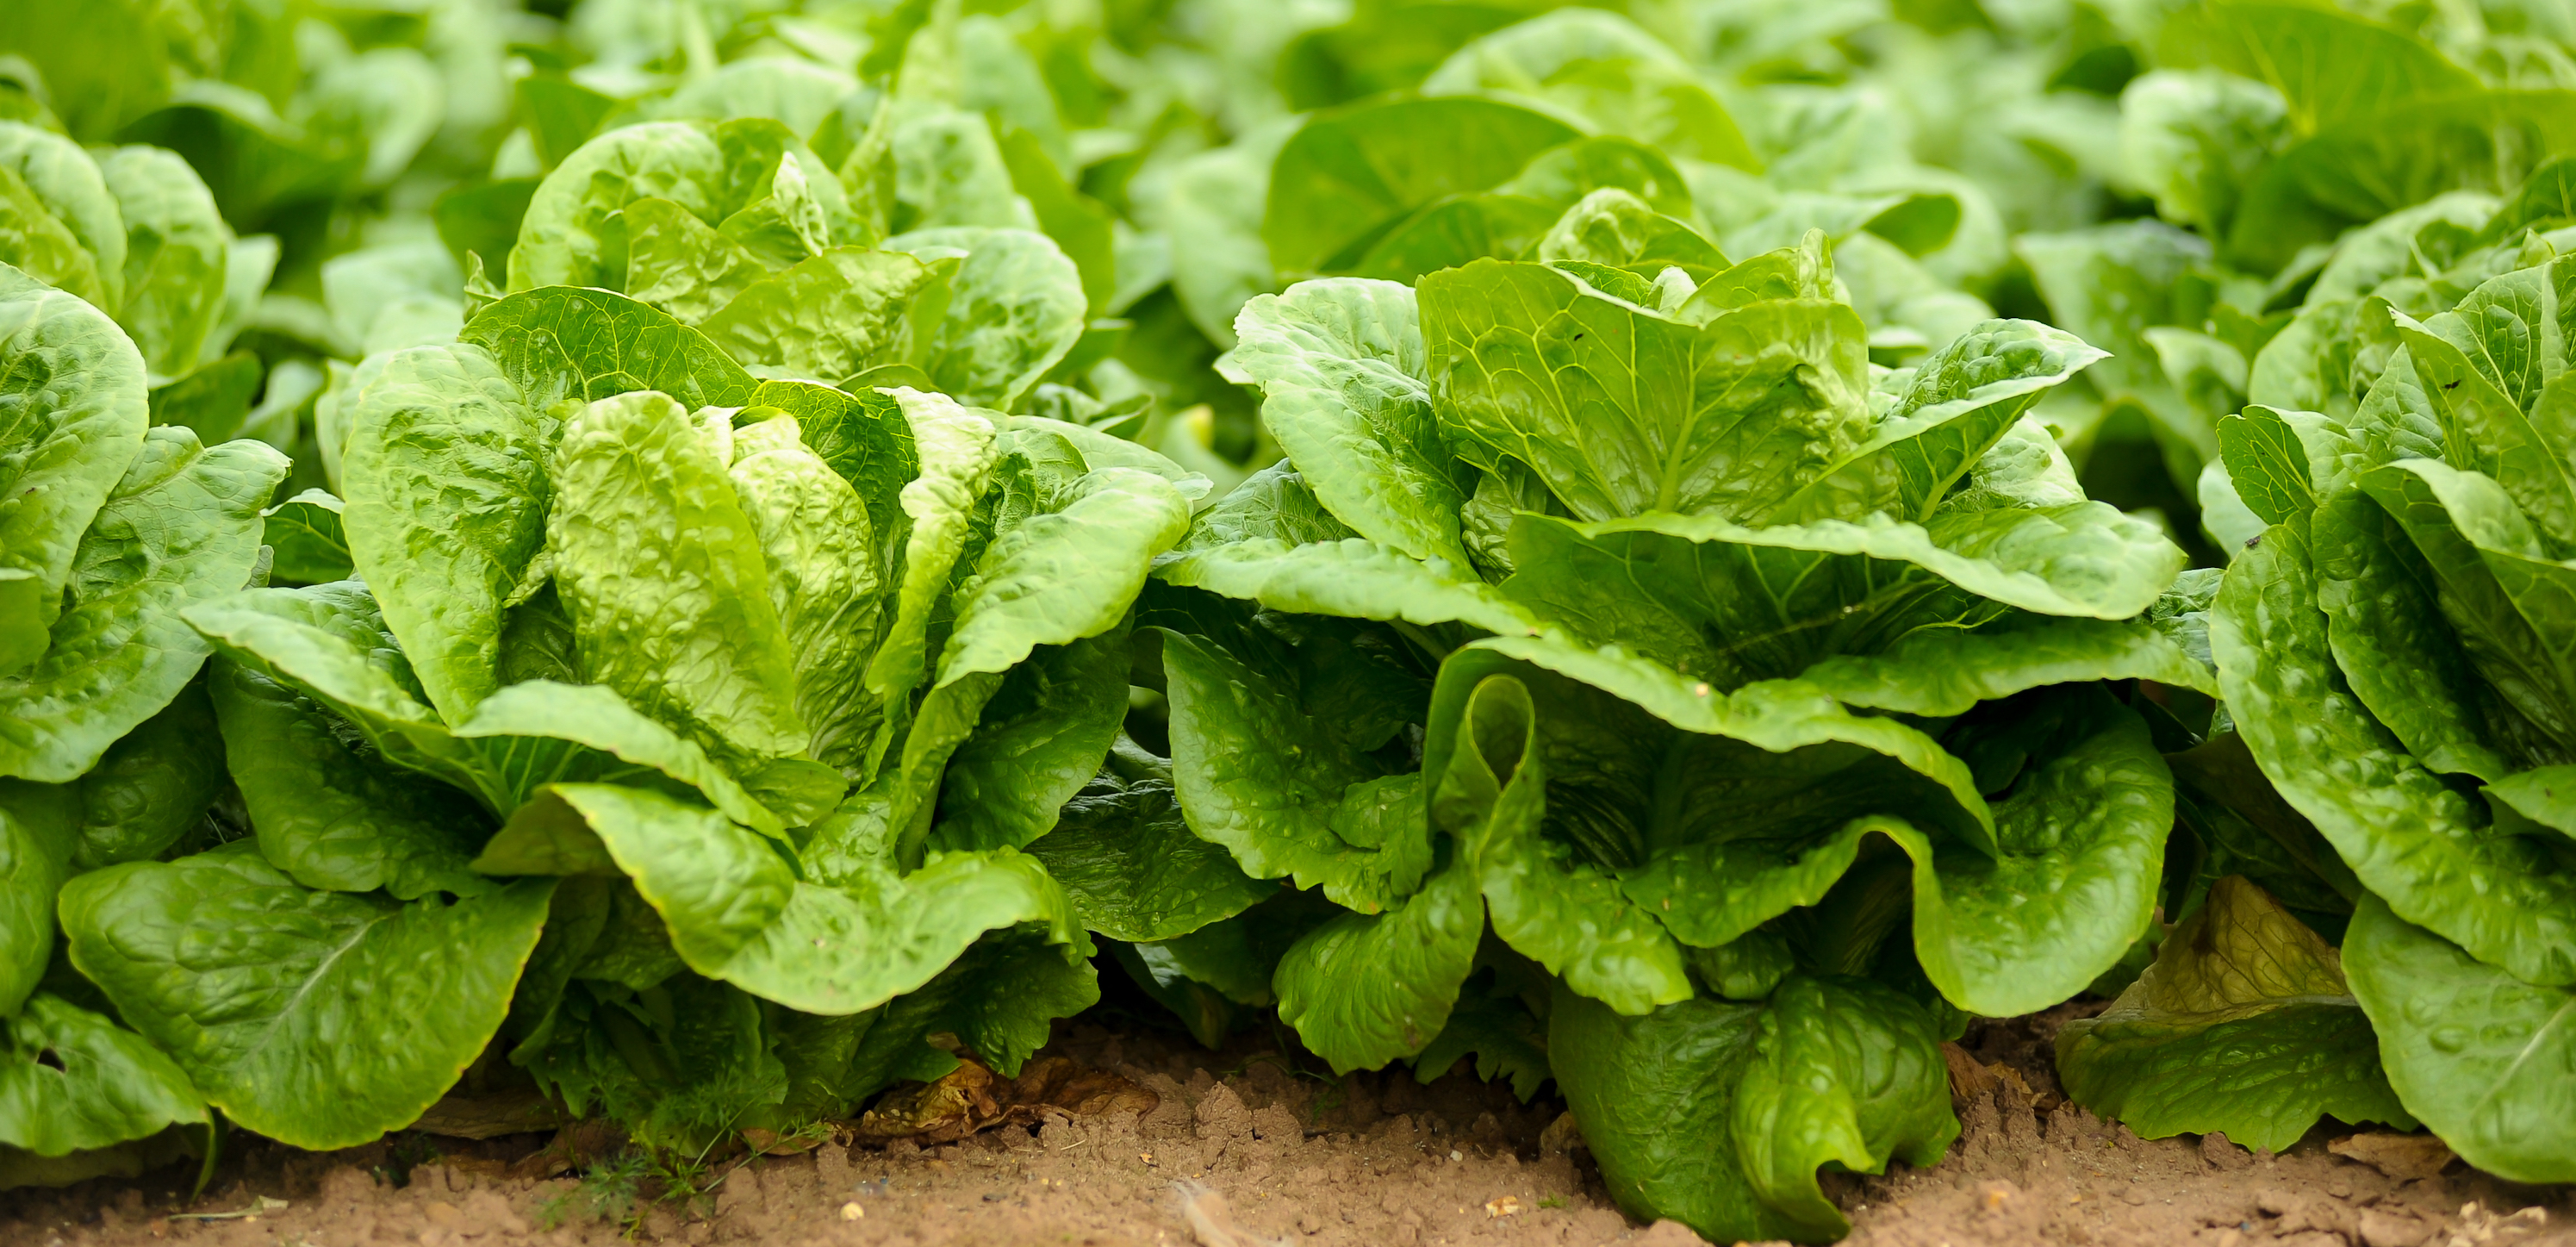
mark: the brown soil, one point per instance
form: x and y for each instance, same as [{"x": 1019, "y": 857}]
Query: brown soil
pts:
[{"x": 1241, "y": 1150}]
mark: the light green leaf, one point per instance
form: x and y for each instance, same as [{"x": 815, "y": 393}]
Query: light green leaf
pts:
[
  {"x": 1037, "y": 742},
  {"x": 1351, "y": 174},
  {"x": 1351, "y": 578},
  {"x": 1013, "y": 308},
  {"x": 1947, "y": 671},
  {"x": 329, "y": 643},
  {"x": 737, "y": 912},
  {"x": 573, "y": 235},
  {"x": 310, "y": 543},
  {"x": 177, "y": 251},
  {"x": 181, "y": 528},
  {"x": 680, "y": 264},
  {"x": 79, "y": 383},
  {"x": 560, "y": 343},
  {"x": 833, "y": 316},
  {"x": 2409, "y": 837},
  {"x": 39, "y": 832},
  {"x": 956, "y": 452},
  {"x": 72, "y": 1081},
  {"x": 445, "y": 505},
  {"x": 2267, "y": 464},
  {"x": 2546, "y": 796},
  {"x": 1063, "y": 574},
  {"x": 2243, "y": 1024},
  {"x": 822, "y": 554},
  {"x": 1602, "y": 68},
  {"x": 1340, "y": 366},
  {"x": 1719, "y": 1115},
  {"x": 332, "y": 817},
  {"x": 2483, "y": 1057},
  {"x": 67, "y": 183},
  {"x": 1365, "y": 989},
  {"x": 1623, "y": 411},
  {"x": 319, "y": 1019},
  {"x": 1962, "y": 401},
  {"x": 664, "y": 578}
]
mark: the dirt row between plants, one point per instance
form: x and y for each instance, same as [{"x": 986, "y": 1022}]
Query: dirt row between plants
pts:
[{"x": 1240, "y": 1149}]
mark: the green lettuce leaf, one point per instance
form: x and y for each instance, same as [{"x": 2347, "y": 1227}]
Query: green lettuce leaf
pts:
[
  {"x": 1340, "y": 365},
  {"x": 2243, "y": 1024},
  {"x": 737, "y": 911},
  {"x": 181, "y": 528},
  {"x": 2418, "y": 844},
  {"x": 275, "y": 1000},
  {"x": 67, "y": 460},
  {"x": 72, "y": 1080},
  {"x": 558, "y": 343},
  {"x": 1132, "y": 868},
  {"x": 1719, "y": 1115},
  {"x": 330, "y": 816},
  {"x": 443, "y": 469},
  {"x": 1349, "y": 175},
  {"x": 682, "y": 626},
  {"x": 1622, "y": 410},
  {"x": 2481, "y": 1055}
]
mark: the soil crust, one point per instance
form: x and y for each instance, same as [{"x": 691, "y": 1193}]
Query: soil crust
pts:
[{"x": 1249, "y": 1147}]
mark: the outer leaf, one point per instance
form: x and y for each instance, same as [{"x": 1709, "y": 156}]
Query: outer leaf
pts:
[
  {"x": 1065, "y": 574},
  {"x": 1132, "y": 868},
  {"x": 1718, "y": 1115},
  {"x": 444, "y": 468},
  {"x": 1340, "y": 366},
  {"x": 319, "y": 1019},
  {"x": 1287, "y": 794},
  {"x": 2409, "y": 838},
  {"x": 151, "y": 787},
  {"x": 1014, "y": 308},
  {"x": 1567, "y": 915},
  {"x": 737, "y": 912},
  {"x": 310, "y": 543},
  {"x": 2385, "y": 623},
  {"x": 328, "y": 642},
  {"x": 561, "y": 343},
  {"x": 2486, "y": 1059},
  {"x": 2243, "y": 1024},
  {"x": 1353, "y": 173},
  {"x": 177, "y": 249},
  {"x": 181, "y": 528},
  {"x": 664, "y": 578},
  {"x": 956, "y": 454},
  {"x": 67, "y": 183},
  {"x": 1364, "y": 989},
  {"x": 1622, "y": 411},
  {"x": 1350, "y": 578},
  {"x": 572, "y": 234},
  {"x": 1036, "y": 744},
  {"x": 1947, "y": 671},
  {"x": 2546, "y": 796},
  {"x": 75, "y": 386},
  {"x": 332, "y": 817},
  {"x": 72, "y": 1081},
  {"x": 39, "y": 831},
  {"x": 833, "y": 316}
]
